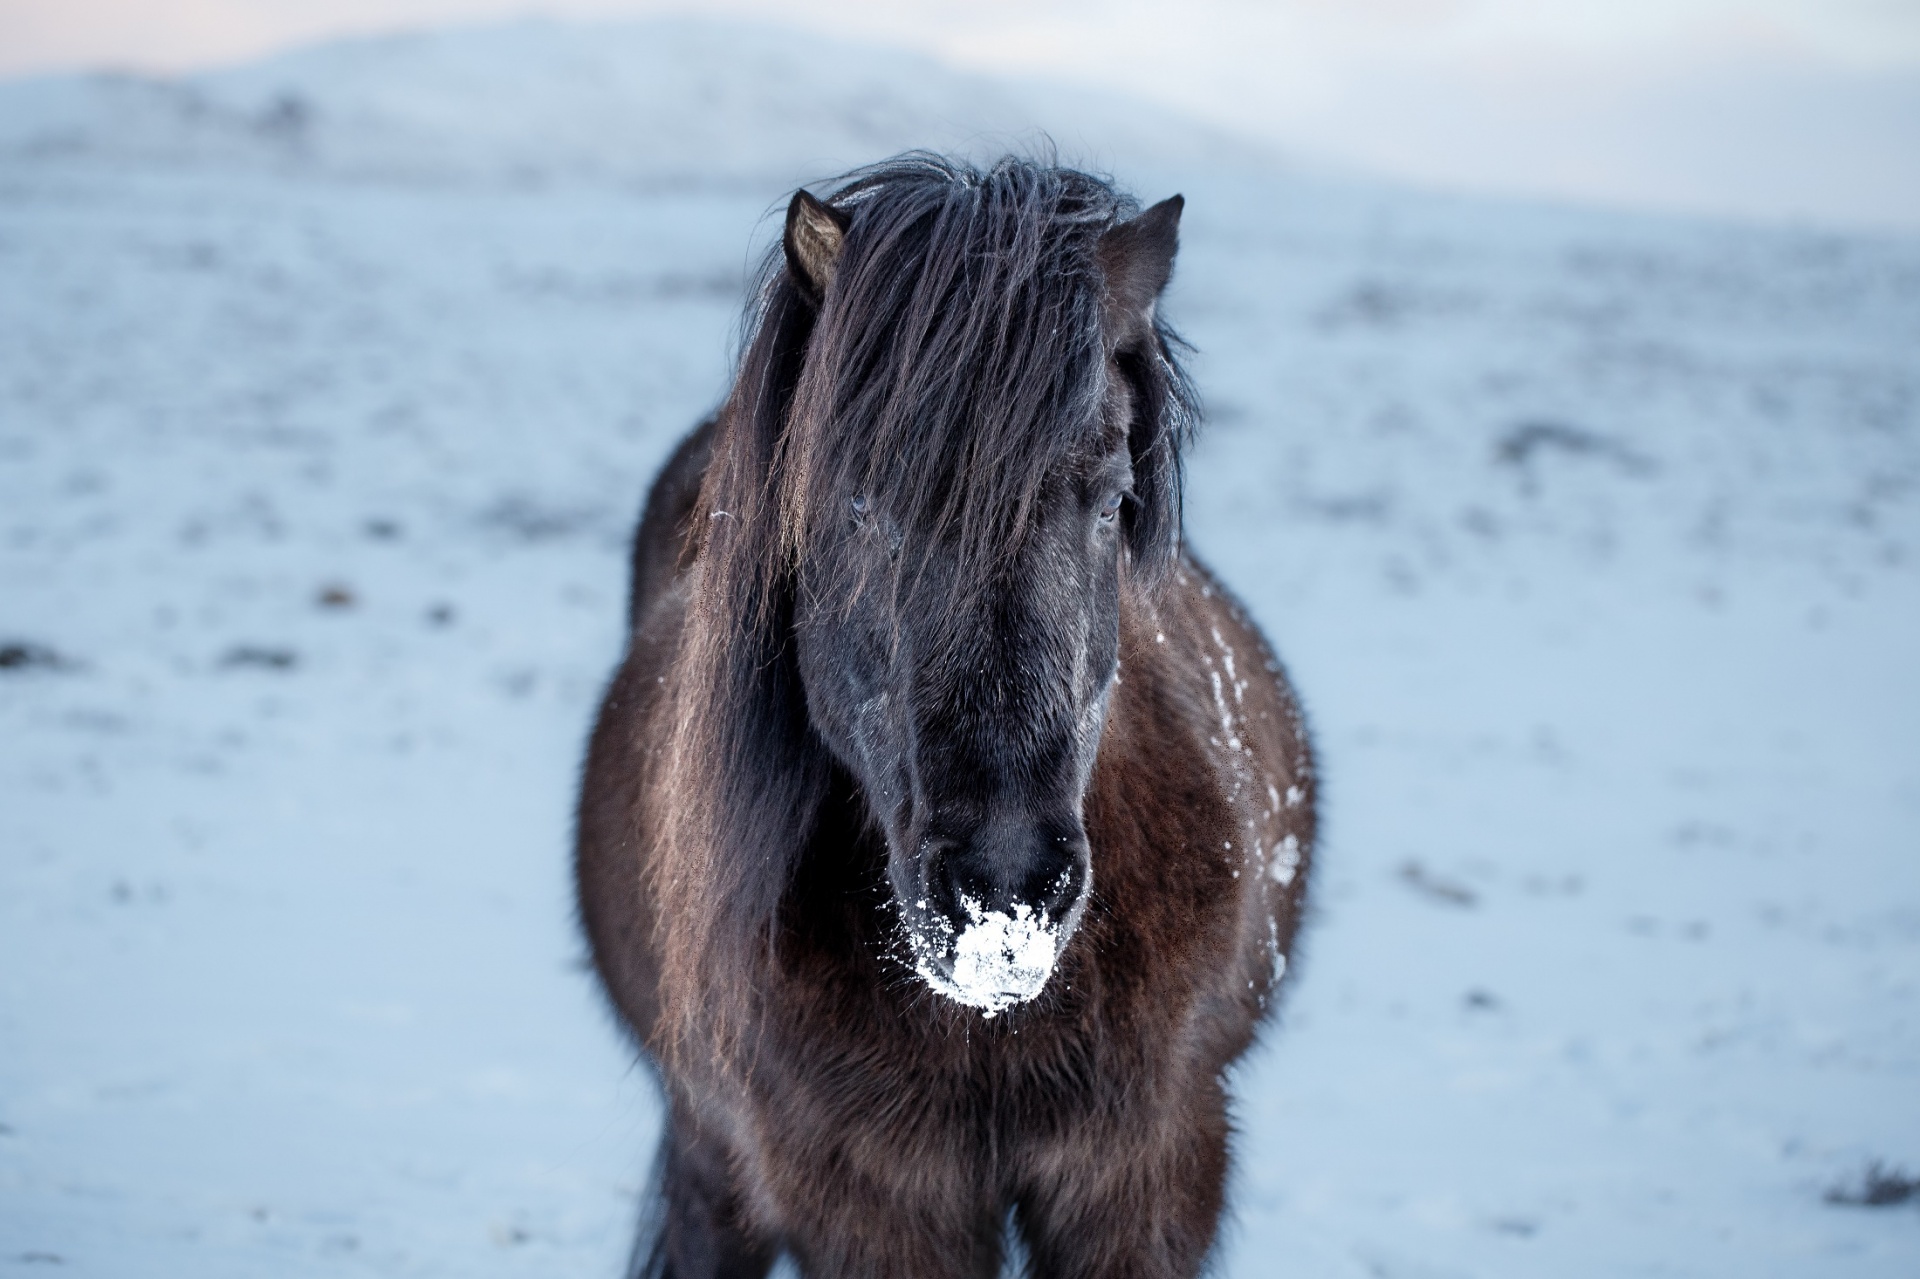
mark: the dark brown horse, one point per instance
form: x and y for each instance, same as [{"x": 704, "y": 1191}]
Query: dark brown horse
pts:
[{"x": 945, "y": 831}]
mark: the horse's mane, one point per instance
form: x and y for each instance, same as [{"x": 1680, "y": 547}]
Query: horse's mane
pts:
[{"x": 957, "y": 357}]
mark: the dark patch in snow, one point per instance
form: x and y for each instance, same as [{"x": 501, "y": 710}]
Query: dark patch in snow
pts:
[
  {"x": 531, "y": 520},
  {"x": 1480, "y": 522},
  {"x": 1381, "y": 304},
  {"x": 22, "y": 655},
  {"x": 259, "y": 657},
  {"x": 629, "y": 289},
  {"x": 1436, "y": 888},
  {"x": 253, "y": 515},
  {"x": 382, "y": 530},
  {"x": 124, "y": 894},
  {"x": 336, "y": 595},
  {"x": 1226, "y": 413},
  {"x": 1480, "y": 1000},
  {"x": 1879, "y": 1185},
  {"x": 1698, "y": 832},
  {"x": 287, "y": 118},
  {"x": 1349, "y": 508},
  {"x": 1525, "y": 441}
]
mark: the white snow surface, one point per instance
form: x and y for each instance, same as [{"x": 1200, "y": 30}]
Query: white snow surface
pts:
[
  {"x": 999, "y": 959},
  {"x": 1589, "y": 539},
  {"x": 667, "y": 103}
]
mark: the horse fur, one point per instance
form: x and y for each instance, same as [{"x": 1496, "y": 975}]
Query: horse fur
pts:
[{"x": 946, "y": 484}]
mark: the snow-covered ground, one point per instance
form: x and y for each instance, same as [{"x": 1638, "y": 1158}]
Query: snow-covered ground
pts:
[{"x": 1591, "y": 540}]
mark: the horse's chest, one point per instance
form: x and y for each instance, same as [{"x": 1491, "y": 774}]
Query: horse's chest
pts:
[{"x": 989, "y": 1097}]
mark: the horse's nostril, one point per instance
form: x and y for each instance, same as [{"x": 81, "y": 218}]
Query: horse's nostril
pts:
[
  {"x": 1018, "y": 871},
  {"x": 977, "y": 883},
  {"x": 942, "y": 884},
  {"x": 1057, "y": 894}
]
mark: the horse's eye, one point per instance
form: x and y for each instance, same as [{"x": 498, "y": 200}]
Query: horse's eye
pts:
[
  {"x": 1111, "y": 507},
  {"x": 859, "y": 505}
]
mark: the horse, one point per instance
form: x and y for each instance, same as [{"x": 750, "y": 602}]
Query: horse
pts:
[{"x": 945, "y": 831}]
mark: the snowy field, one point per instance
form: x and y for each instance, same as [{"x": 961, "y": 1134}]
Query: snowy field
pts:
[{"x": 1593, "y": 541}]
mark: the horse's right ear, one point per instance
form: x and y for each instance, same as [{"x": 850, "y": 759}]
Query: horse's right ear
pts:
[{"x": 815, "y": 235}]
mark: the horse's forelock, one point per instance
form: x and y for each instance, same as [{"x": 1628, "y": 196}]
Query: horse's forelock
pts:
[{"x": 958, "y": 357}]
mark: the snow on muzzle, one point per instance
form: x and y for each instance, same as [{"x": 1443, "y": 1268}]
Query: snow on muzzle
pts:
[{"x": 991, "y": 940}]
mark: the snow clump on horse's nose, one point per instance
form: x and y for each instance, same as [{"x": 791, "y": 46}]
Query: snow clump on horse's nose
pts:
[{"x": 999, "y": 959}]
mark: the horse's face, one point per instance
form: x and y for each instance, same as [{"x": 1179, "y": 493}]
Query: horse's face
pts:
[
  {"x": 970, "y": 713},
  {"x": 965, "y": 692}
]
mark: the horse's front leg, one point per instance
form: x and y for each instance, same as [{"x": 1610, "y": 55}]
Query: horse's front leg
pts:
[
  {"x": 1128, "y": 1200},
  {"x": 702, "y": 1229}
]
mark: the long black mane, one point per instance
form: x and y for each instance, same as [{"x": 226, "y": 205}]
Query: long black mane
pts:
[{"x": 960, "y": 353}]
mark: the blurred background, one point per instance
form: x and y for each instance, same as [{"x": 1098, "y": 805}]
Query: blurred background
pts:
[
  {"x": 1562, "y": 368},
  {"x": 1773, "y": 108}
]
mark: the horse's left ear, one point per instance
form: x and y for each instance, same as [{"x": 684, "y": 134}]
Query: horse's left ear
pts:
[
  {"x": 1136, "y": 257},
  {"x": 815, "y": 235}
]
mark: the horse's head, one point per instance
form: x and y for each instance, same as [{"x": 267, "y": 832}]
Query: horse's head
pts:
[{"x": 982, "y": 450}]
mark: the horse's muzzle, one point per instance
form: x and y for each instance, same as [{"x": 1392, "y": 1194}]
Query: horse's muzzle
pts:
[{"x": 996, "y": 908}]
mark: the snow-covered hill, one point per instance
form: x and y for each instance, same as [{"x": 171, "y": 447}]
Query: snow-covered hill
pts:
[
  {"x": 1590, "y": 538},
  {"x": 669, "y": 102}
]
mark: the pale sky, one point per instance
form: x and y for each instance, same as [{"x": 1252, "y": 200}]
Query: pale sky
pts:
[
  {"x": 1768, "y": 107},
  {"x": 1045, "y": 34}
]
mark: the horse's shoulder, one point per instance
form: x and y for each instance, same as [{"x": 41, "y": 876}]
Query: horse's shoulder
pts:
[{"x": 662, "y": 542}]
